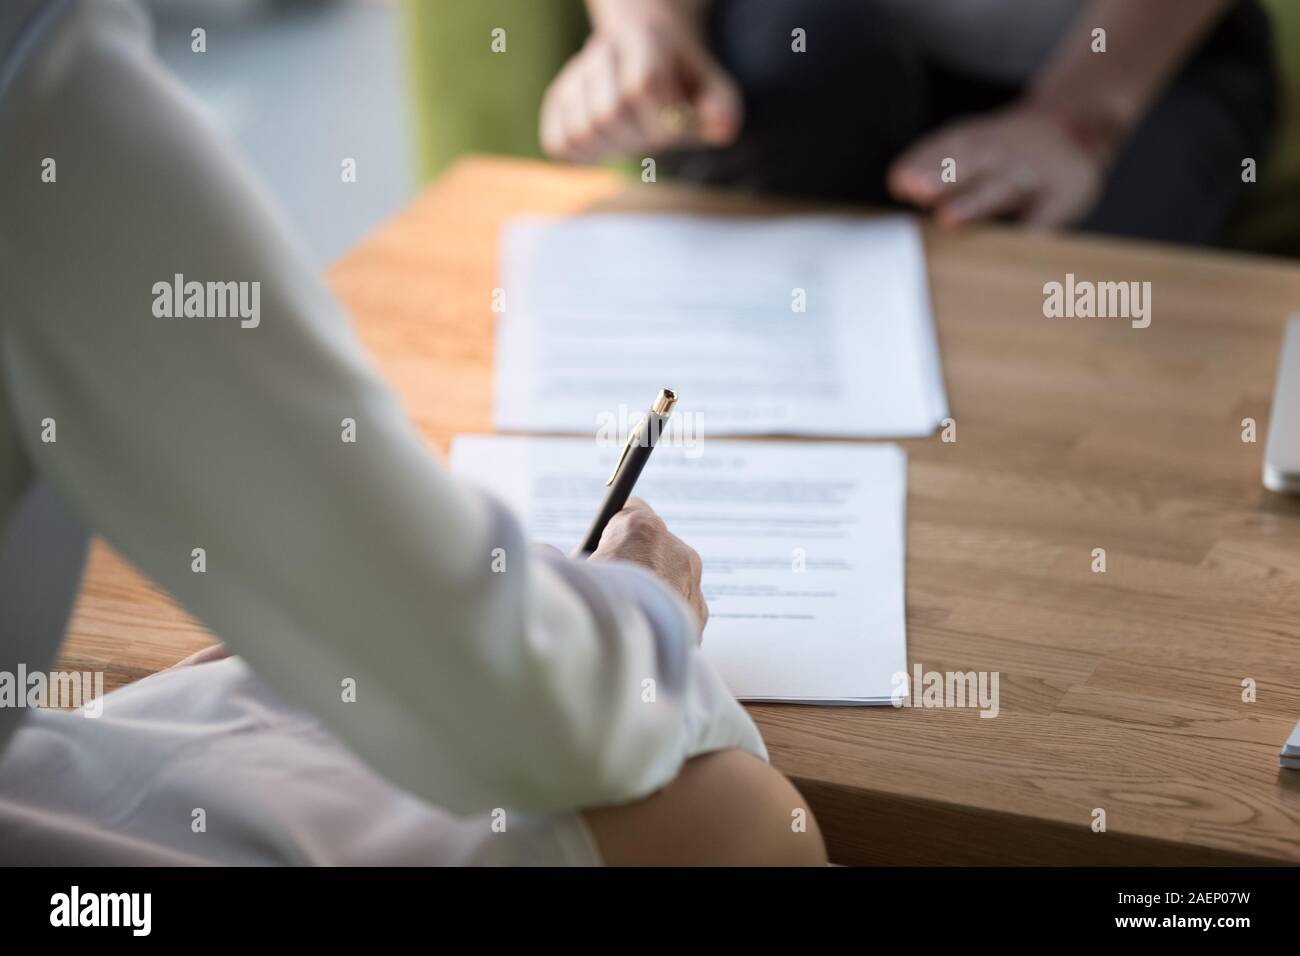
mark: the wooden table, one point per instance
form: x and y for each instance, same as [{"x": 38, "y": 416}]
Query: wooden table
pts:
[{"x": 1119, "y": 690}]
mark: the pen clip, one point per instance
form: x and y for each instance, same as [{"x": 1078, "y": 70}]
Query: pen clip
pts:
[{"x": 627, "y": 447}]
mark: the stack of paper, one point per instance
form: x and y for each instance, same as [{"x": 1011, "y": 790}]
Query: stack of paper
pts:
[
  {"x": 802, "y": 547},
  {"x": 1290, "y": 756},
  {"x": 794, "y": 326}
]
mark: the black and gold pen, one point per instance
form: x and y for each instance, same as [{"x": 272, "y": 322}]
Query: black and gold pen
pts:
[{"x": 636, "y": 452}]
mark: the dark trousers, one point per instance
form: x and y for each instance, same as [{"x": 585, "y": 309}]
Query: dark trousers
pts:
[{"x": 828, "y": 123}]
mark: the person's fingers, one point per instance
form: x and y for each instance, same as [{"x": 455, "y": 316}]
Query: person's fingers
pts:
[
  {"x": 918, "y": 176},
  {"x": 639, "y": 535},
  {"x": 551, "y": 129},
  {"x": 1065, "y": 201},
  {"x": 696, "y": 569},
  {"x": 636, "y": 95},
  {"x": 582, "y": 141},
  {"x": 542, "y": 548},
  {"x": 1048, "y": 212},
  {"x": 611, "y": 115},
  {"x": 994, "y": 195},
  {"x": 555, "y": 109},
  {"x": 569, "y": 130},
  {"x": 719, "y": 109},
  {"x": 650, "y": 87}
]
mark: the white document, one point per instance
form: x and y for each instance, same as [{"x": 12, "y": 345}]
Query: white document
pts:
[
  {"x": 802, "y": 547},
  {"x": 792, "y": 326}
]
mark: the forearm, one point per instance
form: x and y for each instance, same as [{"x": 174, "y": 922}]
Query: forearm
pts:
[{"x": 1103, "y": 96}]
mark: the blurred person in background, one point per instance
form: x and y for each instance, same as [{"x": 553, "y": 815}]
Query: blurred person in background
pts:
[{"x": 1127, "y": 118}]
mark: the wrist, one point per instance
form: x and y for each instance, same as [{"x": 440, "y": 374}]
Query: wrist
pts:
[
  {"x": 1096, "y": 130},
  {"x": 608, "y": 15}
]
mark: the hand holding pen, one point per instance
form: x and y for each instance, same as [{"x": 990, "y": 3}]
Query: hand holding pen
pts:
[{"x": 627, "y": 529}]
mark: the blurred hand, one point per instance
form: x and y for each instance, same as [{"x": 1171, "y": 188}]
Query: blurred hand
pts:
[
  {"x": 639, "y": 535},
  {"x": 1020, "y": 163},
  {"x": 643, "y": 82}
]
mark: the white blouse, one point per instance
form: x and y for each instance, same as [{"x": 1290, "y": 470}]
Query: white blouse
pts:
[{"x": 355, "y": 578}]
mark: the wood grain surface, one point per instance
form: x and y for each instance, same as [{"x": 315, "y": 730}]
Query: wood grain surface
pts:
[{"x": 1120, "y": 691}]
